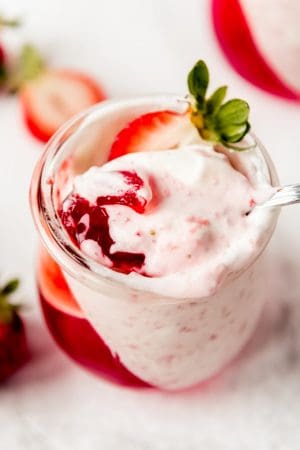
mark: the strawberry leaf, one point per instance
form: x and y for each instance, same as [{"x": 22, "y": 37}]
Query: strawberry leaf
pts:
[
  {"x": 214, "y": 102},
  {"x": 216, "y": 121},
  {"x": 3, "y": 73},
  {"x": 4, "y": 22},
  {"x": 234, "y": 133},
  {"x": 31, "y": 62},
  {"x": 198, "y": 80},
  {"x": 7, "y": 309},
  {"x": 30, "y": 65},
  {"x": 233, "y": 112},
  {"x": 6, "y": 312},
  {"x": 10, "y": 287}
]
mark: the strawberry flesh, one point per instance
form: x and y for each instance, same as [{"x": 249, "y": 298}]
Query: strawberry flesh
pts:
[
  {"x": 158, "y": 130},
  {"x": 54, "y": 97}
]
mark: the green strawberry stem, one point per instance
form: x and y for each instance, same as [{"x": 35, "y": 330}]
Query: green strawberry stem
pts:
[
  {"x": 4, "y": 22},
  {"x": 7, "y": 310},
  {"x": 29, "y": 66},
  {"x": 215, "y": 120},
  {"x": 3, "y": 73}
]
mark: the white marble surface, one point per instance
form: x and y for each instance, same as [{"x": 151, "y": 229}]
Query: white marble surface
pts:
[{"x": 138, "y": 46}]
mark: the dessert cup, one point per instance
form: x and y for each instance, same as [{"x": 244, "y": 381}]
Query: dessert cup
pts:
[{"x": 133, "y": 336}]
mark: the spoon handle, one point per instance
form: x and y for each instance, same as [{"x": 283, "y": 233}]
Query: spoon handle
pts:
[{"x": 286, "y": 195}]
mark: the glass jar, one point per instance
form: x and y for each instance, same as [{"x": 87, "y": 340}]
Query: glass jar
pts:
[{"x": 130, "y": 336}]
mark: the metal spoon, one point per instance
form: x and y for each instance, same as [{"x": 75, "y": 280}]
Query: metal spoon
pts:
[{"x": 285, "y": 195}]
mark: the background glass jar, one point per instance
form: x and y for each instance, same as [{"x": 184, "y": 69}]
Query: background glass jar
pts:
[{"x": 130, "y": 336}]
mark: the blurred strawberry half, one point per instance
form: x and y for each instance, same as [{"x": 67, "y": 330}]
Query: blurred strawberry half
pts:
[
  {"x": 13, "y": 345},
  {"x": 49, "y": 97},
  {"x": 158, "y": 130},
  {"x": 55, "y": 96}
]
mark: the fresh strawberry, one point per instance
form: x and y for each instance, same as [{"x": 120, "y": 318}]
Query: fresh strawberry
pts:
[
  {"x": 208, "y": 117},
  {"x": 49, "y": 97},
  {"x": 158, "y": 130},
  {"x": 13, "y": 345}
]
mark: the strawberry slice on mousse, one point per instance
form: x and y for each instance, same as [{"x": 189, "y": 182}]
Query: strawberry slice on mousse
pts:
[{"x": 159, "y": 130}]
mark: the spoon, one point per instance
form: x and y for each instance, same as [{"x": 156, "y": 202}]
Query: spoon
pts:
[{"x": 285, "y": 195}]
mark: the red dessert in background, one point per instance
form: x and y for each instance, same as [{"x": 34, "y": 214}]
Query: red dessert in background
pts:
[{"x": 237, "y": 41}]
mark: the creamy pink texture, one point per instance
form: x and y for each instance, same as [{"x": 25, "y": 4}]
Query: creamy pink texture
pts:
[{"x": 193, "y": 225}]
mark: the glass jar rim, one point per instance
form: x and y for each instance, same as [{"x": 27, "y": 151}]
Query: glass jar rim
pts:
[{"x": 69, "y": 257}]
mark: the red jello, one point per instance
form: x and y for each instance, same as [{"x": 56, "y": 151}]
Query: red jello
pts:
[{"x": 72, "y": 331}]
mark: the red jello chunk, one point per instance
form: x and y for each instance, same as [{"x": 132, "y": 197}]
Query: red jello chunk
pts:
[
  {"x": 72, "y": 331},
  {"x": 84, "y": 220},
  {"x": 237, "y": 42}
]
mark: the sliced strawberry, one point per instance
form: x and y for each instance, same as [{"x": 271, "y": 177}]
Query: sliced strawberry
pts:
[
  {"x": 53, "y": 97},
  {"x": 13, "y": 344},
  {"x": 158, "y": 130}
]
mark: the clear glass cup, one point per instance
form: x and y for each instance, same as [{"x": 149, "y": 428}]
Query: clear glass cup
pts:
[{"x": 129, "y": 336}]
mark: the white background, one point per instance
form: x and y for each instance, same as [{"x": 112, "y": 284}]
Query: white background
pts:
[{"x": 135, "y": 47}]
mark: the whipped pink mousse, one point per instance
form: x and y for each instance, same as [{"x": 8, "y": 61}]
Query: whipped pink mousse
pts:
[
  {"x": 176, "y": 222},
  {"x": 171, "y": 231}
]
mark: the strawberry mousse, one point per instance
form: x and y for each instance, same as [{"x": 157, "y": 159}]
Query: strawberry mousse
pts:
[
  {"x": 155, "y": 220},
  {"x": 157, "y": 217}
]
